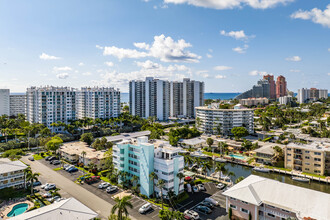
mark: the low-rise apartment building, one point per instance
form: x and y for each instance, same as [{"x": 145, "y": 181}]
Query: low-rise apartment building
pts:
[
  {"x": 264, "y": 198},
  {"x": 212, "y": 120},
  {"x": 11, "y": 173},
  {"x": 73, "y": 153},
  {"x": 140, "y": 158},
  {"x": 309, "y": 158}
]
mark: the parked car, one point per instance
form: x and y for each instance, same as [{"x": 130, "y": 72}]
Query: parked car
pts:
[
  {"x": 31, "y": 158},
  {"x": 192, "y": 214},
  {"x": 201, "y": 187},
  {"x": 47, "y": 195},
  {"x": 66, "y": 166},
  {"x": 111, "y": 189},
  {"x": 38, "y": 183},
  {"x": 52, "y": 158},
  {"x": 47, "y": 158},
  {"x": 50, "y": 186},
  {"x": 57, "y": 198},
  {"x": 43, "y": 186},
  {"x": 69, "y": 167},
  {"x": 207, "y": 204},
  {"x": 145, "y": 208},
  {"x": 211, "y": 200},
  {"x": 221, "y": 186},
  {"x": 36, "y": 190},
  {"x": 104, "y": 185},
  {"x": 195, "y": 189},
  {"x": 50, "y": 199},
  {"x": 92, "y": 179},
  {"x": 203, "y": 209},
  {"x": 72, "y": 169}
]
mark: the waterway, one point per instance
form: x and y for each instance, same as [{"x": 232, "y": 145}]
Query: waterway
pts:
[{"x": 245, "y": 171}]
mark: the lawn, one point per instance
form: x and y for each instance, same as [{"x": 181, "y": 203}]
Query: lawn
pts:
[
  {"x": 314, "y": 175},
  {"x": 39, "y": 157},
  {"x": 211, "y": 154},
  {"x": 10, "y": 193},
  {"x": 58, "y": 168}
]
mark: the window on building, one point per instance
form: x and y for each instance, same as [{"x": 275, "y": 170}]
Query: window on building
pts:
[
  {"x": 317, "y": 159},
  {"x": 317, "y": 153},
  {"x": 233, "y": 206},
  {"x": 245, "y": 202},
  {"x": 271, "y": 215},
  {"x": 245, "y": 210},
  {"x": 307, "y": 157},
  {"x": 306, "y": 151}
]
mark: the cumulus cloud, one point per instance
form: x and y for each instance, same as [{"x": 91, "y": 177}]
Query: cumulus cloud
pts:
[
  {"x": 238, "y": 35},
  {"x": 63, "y": 68},
  {"x": 315, "y": 15},
  {"x": 45, "y": 56},
  {"x": 81, "y": 64},
  {"x": 110, "y": 64},
  {"x": 203, "y": 73},
  {"x": 62, "y": 75},
  {"x": 257, "y": 73},
  {"x": 241, "y": 49},
  {"x": 220, "y": 77},
  {"x": 222, "y": 68},
  {"x": 294, "y": 58},
  {"x": 209, "y": 55},
  {"x": 230, "y": 4},
  {"x": 163, "y": 48}
]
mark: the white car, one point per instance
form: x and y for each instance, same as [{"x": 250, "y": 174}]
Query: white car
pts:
[
  {"x": 50, "y": 186},
  {"x": 43, "y": 186},
  {"x": 211, "y": 200},
  {"x": 112, "y": 189},
  {"x": 192, "y": 214},
  {"x": 145, "y": 208},
  {"x": 201, "y": 187},
  {"x": 220, "y": 186},
  {"x": 104, "y": 185},
  {"x": 69, "y": 167}
]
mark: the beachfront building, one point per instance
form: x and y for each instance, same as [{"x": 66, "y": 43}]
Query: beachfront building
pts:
[
  {"x": 212, "y": 120},
  {"x": 140, "y": 158},
  {"x": 73, "y": 153},
  {"x": 4, "y": 102},
  {"x": 306, "y": 95},
  {"x": 65, "y": 209},
  {"x": 264, "y": 198},
  {"x": 11, "y": 173},
  {"x": 310, "y": 158},
  {"x": 254, "y": 101},
  {"x": 98, "y": 102},
  {"x": 17, "y": 105},
  {"x": 49, "y": 104}
]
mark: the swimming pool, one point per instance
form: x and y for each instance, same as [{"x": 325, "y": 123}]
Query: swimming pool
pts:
[
  {"x": 18, "y": 209},
  {"x": 237, "y": 156}
]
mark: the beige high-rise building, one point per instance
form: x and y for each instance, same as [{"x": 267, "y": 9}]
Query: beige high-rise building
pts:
[{"x": 310, "y": 158}]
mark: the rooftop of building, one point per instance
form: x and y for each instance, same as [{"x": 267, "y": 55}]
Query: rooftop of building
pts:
[
  {"x": 268, "y": 148},
  {"x": 316, "y": 146},
  {"x": 65, "y": 209},
  {"x": 304, "y": 202},
  {"x": 7, "y": 165},
  {"x": 264, "y": 98},
  {"x": 126, "y": 136},
  {"x": 193, "y": 141},
  {"x": 215, "y": 108},
  {"x": 77, "y": 147}
]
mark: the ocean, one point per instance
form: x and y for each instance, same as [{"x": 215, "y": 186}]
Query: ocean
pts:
[{"x": 223, "y": 96}]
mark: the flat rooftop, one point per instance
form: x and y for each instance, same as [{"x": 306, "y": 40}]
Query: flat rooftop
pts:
[
  {"x": 316, "y": 146},
  {"x": 77, "y": 147},
  {"x": 213, "y": 108},
  {"x": 125, "y": 136},
  {"x": 7, "y": 165}
]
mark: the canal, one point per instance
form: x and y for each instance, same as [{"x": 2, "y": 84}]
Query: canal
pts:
[{"x": 245, "y": 171}]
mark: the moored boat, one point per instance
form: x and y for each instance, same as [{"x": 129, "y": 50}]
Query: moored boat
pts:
[
  {"x": 221, "y": 160},
  {"x": 261, "y": 169},
  {"x": 301, "y": 179}
]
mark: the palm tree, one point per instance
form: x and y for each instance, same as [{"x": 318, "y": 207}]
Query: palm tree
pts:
[
  {"x": 220, "y": 167},
  {"x": 134, "y": 180},
  {"x": 121, "y": 207},
  {"x": 32, "y": 177},
  {"x": 206, "y": 166},
  {"x": 160, "y": 185},
  {"x": 180, "y": 176},
  {"x": 188, "y": 160},
  {"x": 153, "y": 176},
  {"x": 83, "y": 154},
  {"x": 239, "y": 179}
]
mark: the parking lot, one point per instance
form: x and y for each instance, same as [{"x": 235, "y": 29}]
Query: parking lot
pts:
[{"x": 137, "y": 202}]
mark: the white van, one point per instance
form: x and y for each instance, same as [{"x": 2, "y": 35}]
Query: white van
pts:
[{"x": 211, "y": 200}]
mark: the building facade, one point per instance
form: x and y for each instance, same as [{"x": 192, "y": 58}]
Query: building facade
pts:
[
  {"x": 4, "y": 102},
  {"x": 98, "y": 102},
  {"x": 284, "y": 100},
  {"x": 11, "y": 173},
  {"x": 140, "y": 158},
  {"x": 47, "y": 105},
  {"x": 313, "y": 158},
  {"x": 17, "y": 105},
  {"x": 305, "y": 95},
  {"x": 163, "y": 99},
  {"x": 254, "y": 101},
  {"x": 281, "y": 87},
  {"x": 261, "y": 90},
  {"x": 213, "y": 120},
  {"x": 272, "y": 86},
  {"x": 263, "y": 198}
]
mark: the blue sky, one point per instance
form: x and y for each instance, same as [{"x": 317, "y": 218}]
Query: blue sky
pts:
[{"x": 229, "y": 44}]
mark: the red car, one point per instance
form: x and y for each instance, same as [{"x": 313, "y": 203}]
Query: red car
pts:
[{"x": 92, "y": 179}]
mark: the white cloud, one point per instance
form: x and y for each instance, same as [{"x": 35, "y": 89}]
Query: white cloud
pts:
[
  {"x": 238, "y": 35},
  {"x": 148, "y": 64},
  {"x": 210, "y": 50},
  {"x": 63, "y": 68},
  {"x": 241, "y": 49},
  {"x": 294, "y": 58},
  {"x": 257, "y": 73},
  {"x": 62, "y": 75},
  {"x": 295, "y": 71},
  {"x": 86, "y": 73},
  {"x": 222, "y": 68},
  {"x": 163, "y": 48},
  {"x": 328, "y": 74},
  {"x": 203, "y": 73},
  {"x": 44, "y": 56},
  {"x": 109, "y": 64},
  {"x": 316, "y": 15},
  {"x": 220, "y": 77},
  {"x": 209, "y": 55},
  {"x": 99, "y": 47},
  {"x": 329, "y": 49},
  {"x": 230, "y": 4},
  {"x": 81, "y": 64}
]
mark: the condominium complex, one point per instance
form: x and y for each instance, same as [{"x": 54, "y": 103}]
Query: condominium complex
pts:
[
  {"x": 98, "y": 102},
  {"x": 163, "y": 99},
  {"x": 284, "y": 100},
  {"x": 47, "y": 105},
  {"x": 254, "y": 101},
  {"x": 4, "y": 102},
  {"x": 11, "y": 173},
  {"x": 309, "y": 158},
  {"x": 272, "y": 86},
  {"x": 313, "y": 94},
  {"x": 281, "y": 88},
  {"x": 140, "y": 158},
  {"x": 212, "y": 120},
  {"x": 17, "y": 105},
  {"x": 264, "y": 198}
]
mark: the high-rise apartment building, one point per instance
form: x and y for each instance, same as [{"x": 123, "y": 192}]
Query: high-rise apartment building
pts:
[
  {"x": 46, "y": 105},
  {"x": 162, "y": 99},
  {"x": 281, "y": 87},
  {"x": 140, "y": 158},
  {"x": 261, "y": 90},
  {"x": 272, "y": 86},
  {"x": 313, "y": 94},
  {"x": 98, "y": 102},
  {"x": 4, "y": 102},
  {"x": 17, "y": 105}
]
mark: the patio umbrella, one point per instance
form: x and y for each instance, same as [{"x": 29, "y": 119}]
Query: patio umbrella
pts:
[{"x": 187, "y": 178}]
